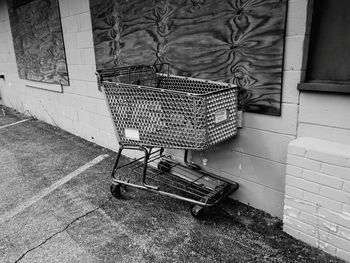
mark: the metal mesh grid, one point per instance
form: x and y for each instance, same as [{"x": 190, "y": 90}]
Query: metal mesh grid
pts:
[
  {"x": 228, "y": 101},
  {"x": 191, "y": 183},
  {"x": 180, "y": 113},
  {"x": 138, "y": 75},
  {"x": 189, "y": 85}
]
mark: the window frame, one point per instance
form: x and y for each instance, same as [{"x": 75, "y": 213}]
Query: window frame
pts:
[{"x": 313, "y": 85}]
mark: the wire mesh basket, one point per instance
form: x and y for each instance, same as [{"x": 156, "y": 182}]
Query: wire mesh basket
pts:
[{"x": 162, "y": 110}]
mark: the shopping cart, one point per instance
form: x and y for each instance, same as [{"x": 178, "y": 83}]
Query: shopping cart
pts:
[{"x": 153, "y": 110}]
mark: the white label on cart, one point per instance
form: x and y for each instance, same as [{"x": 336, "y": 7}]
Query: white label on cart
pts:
[
  {"x": 132, "y": 134},
  {"x": 220, "y": 116}
]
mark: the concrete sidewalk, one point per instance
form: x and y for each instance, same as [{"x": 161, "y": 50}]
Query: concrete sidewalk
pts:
[{"x": 55, "y": 206}]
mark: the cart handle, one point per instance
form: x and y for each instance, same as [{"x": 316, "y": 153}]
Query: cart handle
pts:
[{"x": 230, "y": 87}]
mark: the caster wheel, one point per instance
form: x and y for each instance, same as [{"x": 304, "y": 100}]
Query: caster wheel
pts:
[
  {"x": 125, "y": 188},
  {"x": 116, "y": 191},
  {"x": 164, "y": 166},
  {"x": 197, "y": 211}
]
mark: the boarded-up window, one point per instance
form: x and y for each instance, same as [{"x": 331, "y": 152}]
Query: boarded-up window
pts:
[
  {"x": 232, "y": 41},
  {"x": 329, "y": 50},
  {"x": 38, "y": 40}
]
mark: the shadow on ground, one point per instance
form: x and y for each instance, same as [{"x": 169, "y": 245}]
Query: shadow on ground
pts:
[{"x": 79, "y": 221}]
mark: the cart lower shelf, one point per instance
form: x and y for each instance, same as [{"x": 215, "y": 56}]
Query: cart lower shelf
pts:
[{"x": 184, "y": 181}]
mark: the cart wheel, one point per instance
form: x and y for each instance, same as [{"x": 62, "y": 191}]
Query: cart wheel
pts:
[
  {"x": 197, "y": 211},
  {"x": 125, "y": 187},
  {"x": 116, "y": 191}
]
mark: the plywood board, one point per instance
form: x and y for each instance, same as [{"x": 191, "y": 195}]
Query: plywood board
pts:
[
  {"x": 38, "y": 41},
  {"x": 235, "y": 41}
]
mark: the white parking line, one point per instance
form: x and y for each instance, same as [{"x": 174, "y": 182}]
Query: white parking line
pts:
[
  {"x": 8, "y": 125},
  {"x": 45, "y": 192}
]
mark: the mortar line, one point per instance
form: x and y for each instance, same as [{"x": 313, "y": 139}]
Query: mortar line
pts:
[
  {"x": 11, "y": 124},
  {"x": 50, "y": 189}
]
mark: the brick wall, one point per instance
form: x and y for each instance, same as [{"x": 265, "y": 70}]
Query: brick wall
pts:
[{"x": 317, "y": 195}]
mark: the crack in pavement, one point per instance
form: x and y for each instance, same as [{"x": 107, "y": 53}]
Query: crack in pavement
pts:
[{"x": 62, "y": 230}]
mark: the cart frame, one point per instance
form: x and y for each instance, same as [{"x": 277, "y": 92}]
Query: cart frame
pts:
[{"x": 184, "y": 180}]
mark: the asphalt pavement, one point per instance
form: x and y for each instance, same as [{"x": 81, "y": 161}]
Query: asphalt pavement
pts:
[{"x": 55, "y": 206}]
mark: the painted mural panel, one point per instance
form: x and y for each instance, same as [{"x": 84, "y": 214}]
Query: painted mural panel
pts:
[
  {"x": 235, "y": 41},
  {"x": 38, "y": 41}
]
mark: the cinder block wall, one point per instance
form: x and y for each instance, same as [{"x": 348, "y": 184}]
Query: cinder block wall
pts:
[
  {"x": 80, "y": 109},
  {"x": 325, "y": 116},
  {"x": 317, "y": 199},
  {"x": 256, "y": 158}
]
